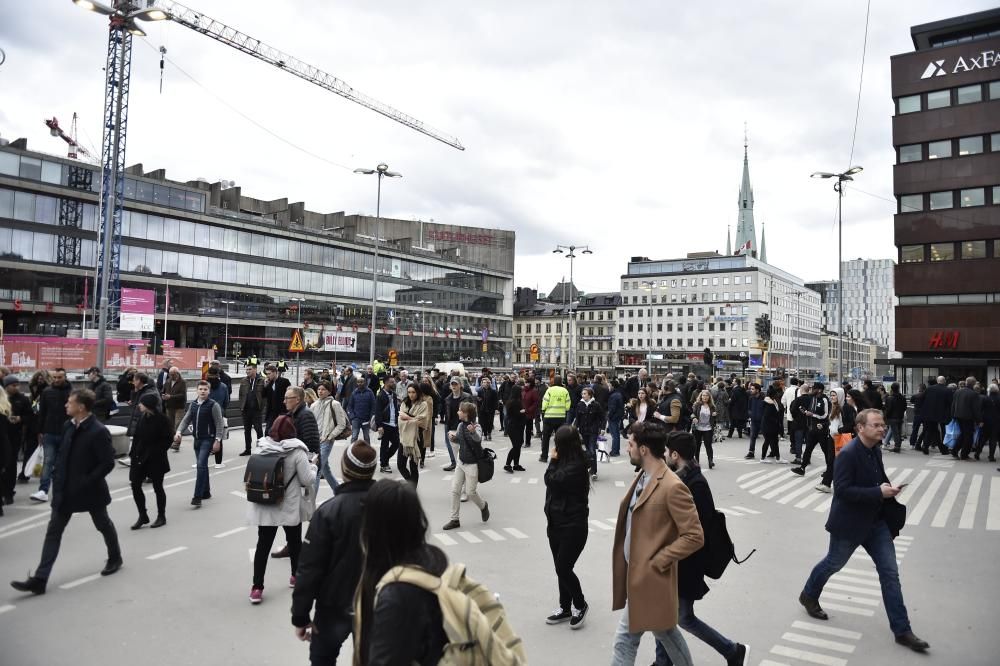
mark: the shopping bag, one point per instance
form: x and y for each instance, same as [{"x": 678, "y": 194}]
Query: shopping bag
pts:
[
  {"x": 35, "y": 462},
  {"x": 976, "y": 435},
  {"x": 840, "y": 440},
  {"x": 951, "y": 434}
]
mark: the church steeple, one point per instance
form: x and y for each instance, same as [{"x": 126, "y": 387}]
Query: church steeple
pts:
[
  {"x": 763, "y": 244},
  {"x": 745, "y": 229},
  {"x": 729, "y": 241}
]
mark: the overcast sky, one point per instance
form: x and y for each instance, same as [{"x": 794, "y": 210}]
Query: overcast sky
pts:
[{"x": 618, "y": 125}]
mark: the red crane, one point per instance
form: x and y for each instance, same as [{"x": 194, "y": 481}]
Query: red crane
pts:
[{"x": 74, "y": 145}]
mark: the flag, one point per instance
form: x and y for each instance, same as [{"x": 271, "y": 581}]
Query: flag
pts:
[{"x": 743, "y": 248}]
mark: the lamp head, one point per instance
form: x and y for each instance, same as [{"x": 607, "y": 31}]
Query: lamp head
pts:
[
  {"x": 94, "y": 6},
  {"x": 854, "y": 169},
  {"x": 822, "y": 174},
  {"x": 367, "y": 172},
  {"x": 134, "y": 30},
  {"x": 152, "y": 14},
  {"x": 587, "y": 250},
  {"x": 558, "y": 250}
]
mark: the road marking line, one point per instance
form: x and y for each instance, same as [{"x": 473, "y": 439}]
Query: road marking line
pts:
[
  {"x": 902, "y": 476},
  {"x": 836, "y": 646},
  {"x": 516, "y": 479},
  {"x": 79, "y": 581},
  {"x": 993, "y": 508},
  {"x": 804, "y": 655},
  {"x": 9, "y": 526},
  {"x": 532, "y": 482},
  {"x": 925, "y": 502},
  {"x": 907, "y": 539},
  {"x": 470, "y": 537},
  {"x": 781, "y": 471},
  {"x": 619, "y": 484},
  {"x": 728, "y": 512},
  {"x": 8, "y": 607},
  {"x": 768, "y": 662},
  {"x": 516, "y": 533},
  {"x": 796, "y": 480},
  {"x": 778, "y": 479},
  {"x": 447, "y": 477},
  {"x": 21, "y": 529},
  {"x": 847, "y": 597},
  {"x": 166, "y": 553},
  {"x": 598, "y": 524},
  {"x": 859, "y": 572},
  {"x": 856, "y": 581},
  {"x": 824, "y": 506},
  {"x": 854, "y": 588},
  {"x": 948, "y": 501},
  {"x": 238, "y": 494},
  {"x": 971, "y": 501},
  {"x": 806, "y": 487},
  {"x": 251, "y": 552},
  {"x": 803, "y": 503},
  {"x": 852, "y": 610},
  {"x": 445, "y": 539},
  {"x": 746, "y": 510},
  {"x": 746, "y": 476},
  {"x": 911, "y": 490},
  {"x": 496, "y": 536},
  {"x": 829, "y": 631},
  {"x": 223, "y": 535}
]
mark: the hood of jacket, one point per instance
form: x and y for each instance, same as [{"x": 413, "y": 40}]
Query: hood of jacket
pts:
[{"x": 270, "y": 447}]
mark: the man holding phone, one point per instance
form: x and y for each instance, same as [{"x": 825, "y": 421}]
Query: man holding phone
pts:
[{"x": 858, "y": 517}]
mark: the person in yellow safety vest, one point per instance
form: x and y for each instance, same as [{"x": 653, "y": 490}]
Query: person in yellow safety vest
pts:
[
  {"x": 281, "y": 367},
  {"x": 252, "y": 360},
  {"x": 378, "y": 367},
  {"x": 555, "y": 405}
]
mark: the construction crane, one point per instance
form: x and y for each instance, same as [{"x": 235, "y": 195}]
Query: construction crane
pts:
[
  {"x": 123, "y": 15},
  {"x": 75, "y": 149}
]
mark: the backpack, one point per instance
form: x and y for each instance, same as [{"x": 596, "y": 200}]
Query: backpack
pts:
[
  {"x": 719, "y": 549},
  {"x": 486, "y": 464},
  {"x": 474, "y": 620},
  {"x": 264, "y": 479},
  {"x": 346, "y": 432}
]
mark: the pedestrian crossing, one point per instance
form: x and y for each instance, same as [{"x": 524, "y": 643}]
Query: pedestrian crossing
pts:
[
  {"x": 935, "y": 497},
  {"x": 479, "y": 536}
]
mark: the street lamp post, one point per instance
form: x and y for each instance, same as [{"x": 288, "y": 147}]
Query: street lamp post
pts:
[
  {"x": 225, "y": 347},
  {"x": 570, "y": 252},
  {"x": 423, "y": 329},
  {"x": 382, "y": 171},
  {"x": 839, "y": 189},
  {"x": 298, "y": 327},
  {"x": 795, "y": 332},
  {"x": 650, "y": 285}
]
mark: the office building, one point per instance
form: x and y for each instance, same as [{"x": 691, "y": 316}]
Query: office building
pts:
[{"x": 869, "y": 301}]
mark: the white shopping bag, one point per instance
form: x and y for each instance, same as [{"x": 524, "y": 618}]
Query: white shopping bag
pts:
[{"x": 35, "y": 462}]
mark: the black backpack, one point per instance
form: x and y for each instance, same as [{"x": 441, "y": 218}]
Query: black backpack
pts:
[
  {"x": 486, "y": 464},
  {"x": 264, "y": 479},
  {"x": 719, "y": 549}
]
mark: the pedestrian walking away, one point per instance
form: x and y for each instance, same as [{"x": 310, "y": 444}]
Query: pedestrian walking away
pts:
[
  {"x": 387, "y": 424},
  {"x": 51, "y": 421},
  {"x": 252, "y": 406},
  {"x": 555, "y": 406},
  {"x": 589, "y": 418},
  {"x": 360, "y": 408},
  {"x": 78, "y": 485},
  {"x": 153, "y": 437},
  {"x": 864, "y": 512},
  {"x": 468, "y": 438},
  {"x": 516, "y": 424}
]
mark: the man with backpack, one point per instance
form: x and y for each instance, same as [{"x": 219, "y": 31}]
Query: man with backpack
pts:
[
  {"x": 205, "y": 417},
  {"x": 691, "y": 570},
  {"x": 673, "y": 410}
]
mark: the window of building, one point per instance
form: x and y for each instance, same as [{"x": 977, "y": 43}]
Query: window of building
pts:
[
  {"x": 704, "y": 282},
  {"x": 738, "y": 279},
  {"x": 995, "y": 142},
  {"x": 684, "y": 282},
  {"x": 908, "y": 104},
  {"x": 910, "y": 153},
  {"x": 942, "y": 299},
  {"x": 909, "y": 203},
  {"x": 938, "y": 99},
  {"x": 942, "y": 200},
  {"x": 996, "y": 195},
  {"x": 969, "y": 94},
  {"x": 974, "y": 249},
  {"x": 747, "y": 296},
  {"x": 715, "y": 281},
  {"x": 942, "y": 251},
  {"x": 970, "y": 145},
  {"x": 911, "y": 254},
  {"x": 994, "y": 89},
  {"x": 975, "y": 196},
  {"x": 938, "y": 149},
  {"x": 725, "y": 280}
]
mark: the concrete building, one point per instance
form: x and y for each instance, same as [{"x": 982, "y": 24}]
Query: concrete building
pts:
[
  {"x": 946, "y": 138},
  {"x": 869, "y": 301},
  {"x": 595, "y": 331},
  {"x": 276, "y": 263},
  {"x": 859, "y": 356}
]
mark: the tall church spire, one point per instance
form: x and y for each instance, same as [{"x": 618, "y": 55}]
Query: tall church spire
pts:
[
  {"x": 745, "y": 229},
  {"x": 763, "y": 244},
  {"x": 729, "y": 241}
]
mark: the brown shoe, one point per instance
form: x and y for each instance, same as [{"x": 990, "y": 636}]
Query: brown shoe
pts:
[{"x": 278, "y": 554}]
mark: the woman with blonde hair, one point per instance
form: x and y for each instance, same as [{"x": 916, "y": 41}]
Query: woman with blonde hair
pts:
[
  {"x": 704, "y": 417},
  {"x": 310, "y": 397}
]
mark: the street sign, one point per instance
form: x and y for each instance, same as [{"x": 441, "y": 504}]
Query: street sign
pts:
[
  {"x": 486, "y": 347},
  {"x": 237, "y": 348},
  {"x": 296, "y": 345},
  {"x": 393, "y": 358},
  {"x": 534, "y": 352}
]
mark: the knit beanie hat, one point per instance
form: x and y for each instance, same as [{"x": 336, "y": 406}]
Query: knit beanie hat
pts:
[
  {"x": 283, "y": 428},
  {"x": 150, "y": 401},
  {"x": 358, "y": 463}
]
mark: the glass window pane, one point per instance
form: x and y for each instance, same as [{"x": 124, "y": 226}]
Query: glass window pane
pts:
[
  {"x": 24, "y": 206},
  {"x": 130, "y": 188},
  {"x": 185, "y": 265},
  {"x": 994, "y": 89},
  {"x": 942, "y": 299},
  {"x": 969, "y": 94},
  {"x": 938, "y": 149},
  {"x": 218, "y": 235},
  {"x": 938, "y": 99},
  {"x": 228, "y": 271},
  {"x": 970, "y": 145},
  {"x": 269, "y": 246},
  {"x": 909, "y": 104},
  {"x": 215, "y": 270},
  {"x": 9, "y": 164},
  {"x": 90, "y": 217},
  {"x": 242, "y": 272},
  {"x": 282, "y": 251},
  {"x": 170, "y": 227},
  {"x": 176, "y": 198},
  {"x": 31, "y": 168},
  {"x": 137, "y": 227},
  {"x": 942, "y": 251},
  {"x": 909, "y": 203},
  {"x": 941, "y": 200},
  {"x": 169, "y": 263},
  {"x": 243, "y": 242},
  {"x": 161, "y": 195},
  {"x": 229, "y": 244},
  {"x": 6, "y": 202},
  {"x": 910, "y": 153},
  {"x": 194, "y": 201},
  {"x": 154, "y": 261},
  {"x": 20, "y": 245},
  {"x": 996, "y": 195},
  {"x": 972, "y": 197},
  {"x": 256, "y": 245},
  {"x": 44, "y": 248},
  {"x": 995, "y": 141},
  {"x": 45, "y": 210},
  {"x": 911, "y": 254},
  {"x": 144, "y": 191},
  {"x": 202, "y": 237},
  {"x": 51, "y": 172},
  {"x": 136, "y": 259},
  {"x": 154, "y": 227},
  {"x": 293, "y": 250},
  {"x": 974, "y": 249},
  {"x": 200, "y": 267},
  {"x": 185, "y": 231}
]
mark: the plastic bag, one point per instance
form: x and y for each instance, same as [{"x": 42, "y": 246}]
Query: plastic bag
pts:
[
  {"x": 36, "y": 461},
  {"x": 951, "y": 434}
]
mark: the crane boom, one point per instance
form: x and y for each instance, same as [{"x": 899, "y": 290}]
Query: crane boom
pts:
[{"x": 232, "y": 37}]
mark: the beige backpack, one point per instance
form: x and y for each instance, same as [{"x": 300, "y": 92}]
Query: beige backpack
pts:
[{"x": 474, "y": 620}]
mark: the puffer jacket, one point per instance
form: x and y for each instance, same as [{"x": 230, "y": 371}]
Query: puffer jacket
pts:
[
  {"x": 469, "y": 440},
  {"x": 567, "y": 491},
  {"x": 361, "y": 404},
  {"x": 298, "y": 503}
]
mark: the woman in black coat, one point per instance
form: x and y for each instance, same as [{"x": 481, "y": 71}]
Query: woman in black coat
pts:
[
  {"x": 567, "y": 508},
  {"x": 487, "y": 399},
  {"x": 154, "y": 434},
  {"x": 739, "y": 406},
  {"x": 514, "y": 424}
]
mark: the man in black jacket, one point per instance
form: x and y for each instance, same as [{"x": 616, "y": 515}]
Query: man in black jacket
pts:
[
  {"x": 51, "y": 418},
  {"x": 105, "y": 394},
  {"x": 387, "y": 422},
  {"x": 937, "y": 412},
  {"x": 85, "y": 458},
  {"x": 18, "y": 425},
  {"x": 691, "y": 570},
  {"x": 274, "y": 395},
  {"x": 967, "y": 408},
  {"x": 331, "y": 559},
  {"x": 252, "y": 405},
  {"x": 872, "y": 395},
  {"x": 305, "y": 421}
]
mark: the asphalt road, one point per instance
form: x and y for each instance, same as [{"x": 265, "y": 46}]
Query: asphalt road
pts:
[{"x": 182, "y": 596}]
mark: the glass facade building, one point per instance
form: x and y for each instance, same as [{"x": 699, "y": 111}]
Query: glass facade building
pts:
[{"x": 445, "y": 290}]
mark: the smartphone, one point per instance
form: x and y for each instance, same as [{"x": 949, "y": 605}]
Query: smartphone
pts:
[{"x": 901, "y": 486}]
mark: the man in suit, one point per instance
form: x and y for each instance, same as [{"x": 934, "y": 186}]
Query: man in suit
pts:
[
  {"x": 658, "y": 526},
  {"x": 252, "y": 405},
  {"x": 937, "y": 412},
  {"x": 85, "y": 458},
  {"x": 858, "y": 517}
]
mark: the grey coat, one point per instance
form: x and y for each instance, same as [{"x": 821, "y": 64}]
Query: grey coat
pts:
[{"x": 299, "y": 501}]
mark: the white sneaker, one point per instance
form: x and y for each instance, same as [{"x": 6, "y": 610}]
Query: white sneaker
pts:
[
  {"x": 822, "y": 488},
  {"x": 766, "y": 461},
  {"x": 430, "y": 454},
  {"x": 194, "y": 466},
  {"x": 125, "y": 462},
  {"x": 40, "y": 496},
  {"x": 781, "y": 461},
  {"x": 465, "y": 498},
  {"x": 219, "y": 465}
]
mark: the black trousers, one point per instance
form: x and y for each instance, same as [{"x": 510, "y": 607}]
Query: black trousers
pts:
[
  {"x": 8, "y": 465},
  {"x": 486, "y": 423},
  {"x": 135, "y": 480},
  {"x": 528, "y": 431},
  {"x": 53, "y": 538},
  {"x": 738, "y": 425},
  {"x": 251, "y": 423},
  {"x": 932, "y": 437},
  {"x": 407, "y": 466},
  {"x": 390, "y": 444},
  {"x": 703, "y": 437},
  {"x": 816, "y": 436},
  {"x": 265, "y": 539},
  {"x": 966, "y": 432},
  {"x": 549, "y": 426},
  {"x": 332, "y": 629},
  {"x": 566, "y": 544},
  {"x": 769, "y": 447},
  {"x": 516, "y": 441}
]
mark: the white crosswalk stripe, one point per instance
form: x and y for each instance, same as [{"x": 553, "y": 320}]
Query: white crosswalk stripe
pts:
[
  {"x": 781, "y": 471},
  {"x": 812, "y": 641},
  {"x": 993, "y": 509},
  {"x": 795, "y": 480},
  {"x": 941, "y": 517},
  {"x": 805, "y": 655},
  {"x": 925, "y": 502},
  {"x": 971, "y": 501}
]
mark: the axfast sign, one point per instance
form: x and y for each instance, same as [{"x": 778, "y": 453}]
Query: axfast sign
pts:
[{"x": 943, "y": 67}]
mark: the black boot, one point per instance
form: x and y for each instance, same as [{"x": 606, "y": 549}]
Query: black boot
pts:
[
  {"x": 143, "y": 520},
  {"x": 160, "y": 521},
  {"x": 32, "y": 584}
]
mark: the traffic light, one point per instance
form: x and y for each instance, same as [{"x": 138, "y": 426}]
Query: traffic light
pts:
[
  {"x": 763, "y": 328},
  {"x": 767, "y": 328},
  {"x": 759, "y": 327}
]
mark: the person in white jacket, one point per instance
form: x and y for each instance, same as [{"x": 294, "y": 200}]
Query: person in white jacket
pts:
[
  {"x": 296, "y": 506},
  {"x": 333, "y": 422}
]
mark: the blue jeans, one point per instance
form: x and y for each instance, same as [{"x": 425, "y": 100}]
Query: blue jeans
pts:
[
  {"x": 879, "y": 546},
  {"x": 324, "y": 466},
  {"x": 615, "y": 429},
  {"x": 357, "y": 427},
  {"x": 798, "y": 438},
  {"x": 626, "y": 644},
  {"x": 694, "y": 626},
  {"x": 754, "y": 431},
  {"x": 202, "y": 451},
  {"x": 50, "y": 449}
]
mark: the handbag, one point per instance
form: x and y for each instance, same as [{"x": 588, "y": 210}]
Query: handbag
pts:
[
  {"x": 343, "y": 433},
  {"x": 894, "y": 515},
  {"x": 486, "y": 465},
  {"x": 952, "y": 432},
  {"x": 840, "y": 440}
]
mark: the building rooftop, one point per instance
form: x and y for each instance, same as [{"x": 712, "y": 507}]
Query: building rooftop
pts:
[{"x": 956, "y": 30}]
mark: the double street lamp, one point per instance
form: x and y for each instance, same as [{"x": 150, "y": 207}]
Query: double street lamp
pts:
[
  {"x": 570, "y": 252},
  {"x": 838, "y": 187},
  {"x": 650, "y": 285},
  {"x": 382, "y": 171}
]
